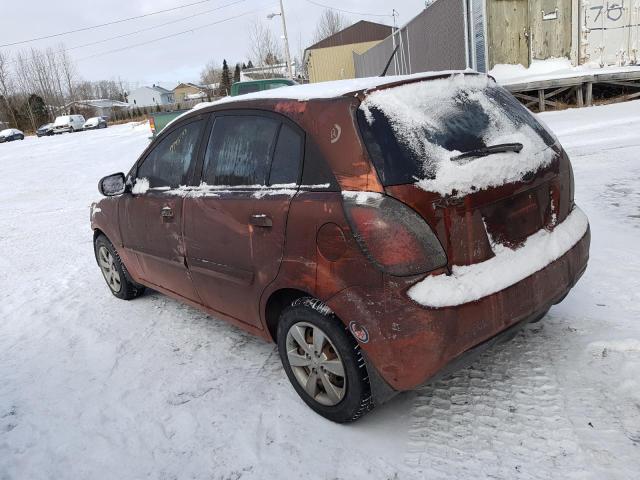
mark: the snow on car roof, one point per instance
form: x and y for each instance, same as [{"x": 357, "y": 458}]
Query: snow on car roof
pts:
[
  {"x": 322, "y": 90},
  {"x": 330, "y": 89}
]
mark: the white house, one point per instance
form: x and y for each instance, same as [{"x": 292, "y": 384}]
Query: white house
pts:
[
  {"x": 150, "y": 96},
  {"x": 103, "y": 107}
]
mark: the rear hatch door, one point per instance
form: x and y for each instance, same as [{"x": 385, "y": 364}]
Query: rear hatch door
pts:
[{"x": 422, "y": 137}]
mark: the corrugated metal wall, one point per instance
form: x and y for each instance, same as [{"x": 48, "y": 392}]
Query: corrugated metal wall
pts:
[
  {"x": 434, "y": 40},
  {"x": 478, "y": 45}
]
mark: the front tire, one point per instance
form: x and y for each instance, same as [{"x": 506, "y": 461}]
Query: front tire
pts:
[
  {"x": 323, "y": 362},
  {"x": 114, "y": 271}
]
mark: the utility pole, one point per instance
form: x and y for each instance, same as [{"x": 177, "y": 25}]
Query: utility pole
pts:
[{"x": 286, "y": 38}]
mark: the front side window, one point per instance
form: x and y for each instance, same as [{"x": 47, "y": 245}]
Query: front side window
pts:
[
  {"x": 168, "y": 163},
  {"x": 240, "y": 150}
]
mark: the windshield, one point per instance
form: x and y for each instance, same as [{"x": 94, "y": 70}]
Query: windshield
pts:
[{"x": 414, "y": 133}]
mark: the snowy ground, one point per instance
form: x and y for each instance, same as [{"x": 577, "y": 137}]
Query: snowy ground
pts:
[{"x": 95, "y": 388}]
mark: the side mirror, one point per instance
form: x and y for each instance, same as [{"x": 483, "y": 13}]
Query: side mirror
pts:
[{"x": 112, "y": 185}]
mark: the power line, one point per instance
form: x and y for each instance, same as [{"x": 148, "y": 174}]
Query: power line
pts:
[
  {"x": 114, "y": 22},
  {"x": 191, "y": 30},
  {"x": 155, "y": 26},
  {"x": 171, "y": 35},
  {"x": 15, "y": 61},
  {"x": 318, "y": 4}
]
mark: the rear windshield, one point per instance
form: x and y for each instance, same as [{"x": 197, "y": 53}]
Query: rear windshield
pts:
[{"x": 413, "y": 132}]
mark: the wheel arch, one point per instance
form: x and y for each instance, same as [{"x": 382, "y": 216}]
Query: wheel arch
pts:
[
  {"x": 97, "y": 232},
  {"x": 277, "y": 302}
]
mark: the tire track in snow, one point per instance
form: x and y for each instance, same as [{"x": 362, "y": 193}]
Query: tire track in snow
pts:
[{"x": 523, "y": 411}]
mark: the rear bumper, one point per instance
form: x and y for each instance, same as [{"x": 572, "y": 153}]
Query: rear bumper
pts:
[{"x": 409, "y": 344}]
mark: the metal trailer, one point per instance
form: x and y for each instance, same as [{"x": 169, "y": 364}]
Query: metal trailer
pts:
[{"x": 478, "y": 34}]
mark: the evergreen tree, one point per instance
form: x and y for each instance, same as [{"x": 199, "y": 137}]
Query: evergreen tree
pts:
[
  {"x": 244, "y": 65},
  {"x": 236, "y": 73},
  {"x": 225, "y": 79},
  {"x": 38, "y": 109},
  {"x": 250, "y": 64}
]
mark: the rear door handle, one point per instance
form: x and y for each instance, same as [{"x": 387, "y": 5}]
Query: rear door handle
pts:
[
  {"x": 166, "y": 212},
  {"x": 261, "y": 220}
]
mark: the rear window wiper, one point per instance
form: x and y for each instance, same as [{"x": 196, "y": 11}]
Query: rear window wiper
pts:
[{"x": 491, "y": 149}]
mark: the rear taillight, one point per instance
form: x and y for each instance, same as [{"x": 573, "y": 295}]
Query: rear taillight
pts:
[
  {"x": 152, "y": 124},
  {"x": 392, "y": 235}
]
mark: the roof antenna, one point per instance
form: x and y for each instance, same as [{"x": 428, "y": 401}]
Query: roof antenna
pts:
[{"x": 393, "y": 54}]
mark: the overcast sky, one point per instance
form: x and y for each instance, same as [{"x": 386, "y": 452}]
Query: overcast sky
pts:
[{"x": 174, "y": 59}]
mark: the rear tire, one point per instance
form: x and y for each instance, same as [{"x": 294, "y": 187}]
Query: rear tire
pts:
[
  {"x": 329, "y": 372},
  {"x": 114, "y": 271}
]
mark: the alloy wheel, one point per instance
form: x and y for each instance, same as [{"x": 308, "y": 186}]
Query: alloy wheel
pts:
[
  {"x": 316, "y": 364},
  {"x": 109, "y": 269}
]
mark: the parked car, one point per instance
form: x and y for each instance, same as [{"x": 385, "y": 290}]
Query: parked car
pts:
[
  {"x": 68, "y": 123},
  {"x": 157, "y": 121},
  {"x": 383, "y": 232},
  {"x": 95, "y": 122},
  {"x": 250, "y": 86},
  {"x": 45, "y": 130},
  {"x": 11, "y": 134}
]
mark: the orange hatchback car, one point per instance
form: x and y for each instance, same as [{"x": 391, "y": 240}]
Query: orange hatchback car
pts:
[{"x": 382, "y": 231}]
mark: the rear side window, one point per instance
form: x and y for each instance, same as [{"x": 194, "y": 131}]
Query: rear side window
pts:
[
  {"x": 287, "y": 157},
  {"x": 169, "y": 162},
  {"x": 239, "y": 150}
]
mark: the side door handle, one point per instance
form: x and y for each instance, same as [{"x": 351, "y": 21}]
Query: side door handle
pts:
[
  {"x": 166, "y": 213},
  {"x": 261, "y": 220}
]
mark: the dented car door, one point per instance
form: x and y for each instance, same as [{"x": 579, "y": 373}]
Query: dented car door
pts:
[
  {"x": 235, "y": 222},
  {"x": 151, "y": 216}
]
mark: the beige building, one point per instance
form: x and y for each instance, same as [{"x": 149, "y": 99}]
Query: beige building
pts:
[
  {"x": 332, "y": 58},
  {"x": 188, "y": 91}
]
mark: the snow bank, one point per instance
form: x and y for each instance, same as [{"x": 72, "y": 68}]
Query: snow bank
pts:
[
  {"x": 472, "y": 282},
  {"x": 504, "y": 72},
  {"x": 552, "y": 68},
  {"x": 417, "y": 108}
]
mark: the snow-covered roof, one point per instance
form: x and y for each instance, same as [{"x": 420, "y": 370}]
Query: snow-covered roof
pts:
[
  {"x": 102, "y": 103},
  {"x": 9, "y": 131},
  {"x": 189, "y": 84},
  {"x": 157, "y": 88},
  {"x": 331, "y": 89}
]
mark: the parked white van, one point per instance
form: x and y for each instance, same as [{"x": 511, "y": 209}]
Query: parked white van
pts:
[{"x": 68, "y": 123}]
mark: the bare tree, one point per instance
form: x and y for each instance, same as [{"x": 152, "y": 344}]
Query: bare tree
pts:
[
  {"x": 330, "y": 22},
  {"x": 6, "y": 86},
  {"x": 210, "y": 74},
  {"x": 266, "y": 50},
  {"x": 68, "y": 71}
]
